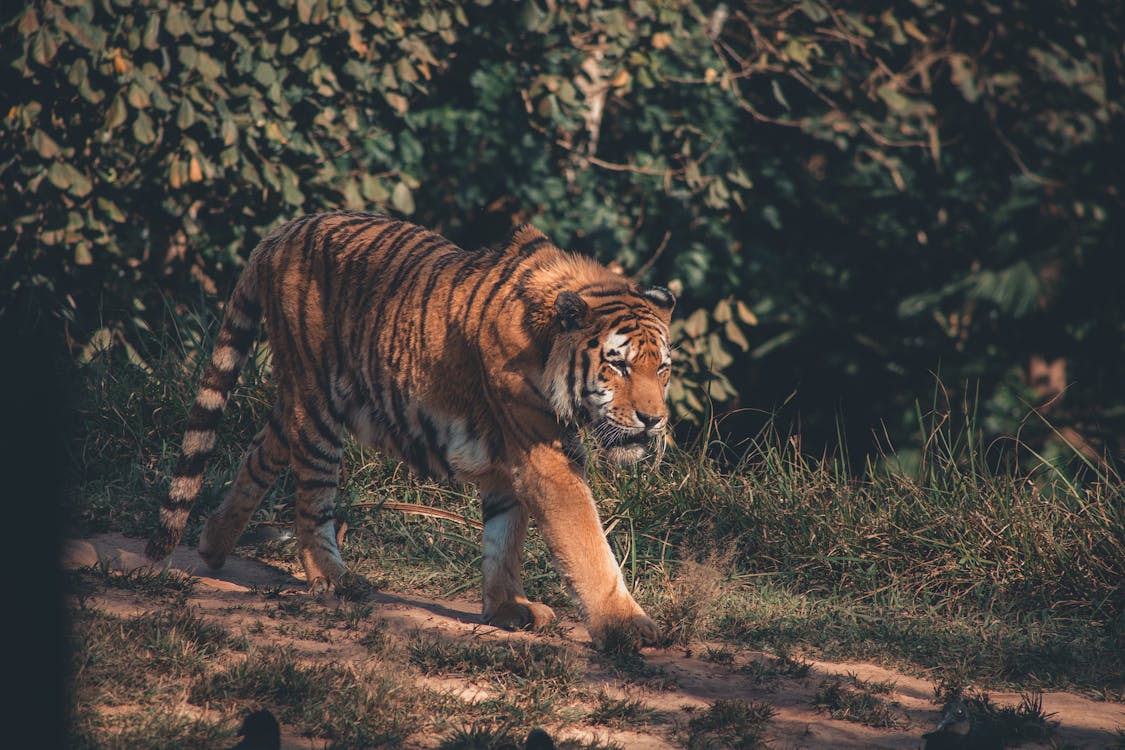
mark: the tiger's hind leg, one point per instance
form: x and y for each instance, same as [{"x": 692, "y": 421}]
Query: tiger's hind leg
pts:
[
  {"x": 317, "y": 451},
  {"x": 266, "y": 458},
  {"x": 505, "y": 529}
]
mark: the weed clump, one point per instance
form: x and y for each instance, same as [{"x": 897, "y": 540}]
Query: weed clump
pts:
[
  {"x": 732, "y": 724},
  {"x": 857, "y": 702}
]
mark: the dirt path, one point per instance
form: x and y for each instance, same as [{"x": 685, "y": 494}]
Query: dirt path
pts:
[{"x": 233, "y": 597}]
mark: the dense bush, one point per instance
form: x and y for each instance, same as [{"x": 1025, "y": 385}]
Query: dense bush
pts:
[{"x": 847, "y": 201}]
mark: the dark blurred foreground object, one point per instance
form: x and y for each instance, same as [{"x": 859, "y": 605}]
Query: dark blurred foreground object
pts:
[
  {"x": 35, "y": 420},
  {"x": 537, "y": 739},
  {"x": 260, "y": 731},
  {"x": 957, "y": 731}
]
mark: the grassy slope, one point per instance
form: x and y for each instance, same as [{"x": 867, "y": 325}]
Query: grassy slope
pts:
[{"x": 998, "y": 581}]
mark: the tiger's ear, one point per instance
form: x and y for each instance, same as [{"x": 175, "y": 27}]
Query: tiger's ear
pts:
[
  {"x": 573, "y": 312},
  {"x": 662, "y": 299}
]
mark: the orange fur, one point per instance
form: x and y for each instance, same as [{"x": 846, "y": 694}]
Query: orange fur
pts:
[{"x": 476, "y": 366}]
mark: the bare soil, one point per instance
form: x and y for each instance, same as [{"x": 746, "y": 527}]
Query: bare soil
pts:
[{"x": 233, "y": 597}]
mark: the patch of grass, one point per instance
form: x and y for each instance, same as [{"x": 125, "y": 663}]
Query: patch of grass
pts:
[
  {"x": 139, "y": 666},
  {"x": 147, "y": 728},
  {"x": 145, "y": 581},
  {"x": 856, "y": 702},
  {"x": 520, "y": 661},
  {"x": 729, "y": 724},
  {"x": 620, "y": 712},
  {"x": 718, "y": 655},
  {"x": 690, "y": 600},
  {"x": 376, "y": 640},
  {"x": 351, "y": 706},
  {"x": 1013, "y": 649},
  {"x": 620, "y": 652},
  {"x": 781, "y": 665},
  {"x": 486, "y": 736},
  {"x": 129, "y": 652}
]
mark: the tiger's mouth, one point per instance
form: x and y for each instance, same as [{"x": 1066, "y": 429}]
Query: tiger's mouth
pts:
[{"x": 621, "y": 447}]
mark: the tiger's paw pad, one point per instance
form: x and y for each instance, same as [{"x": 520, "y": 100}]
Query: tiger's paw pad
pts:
[
  {"x": 519, "y": 615},
  {"x": 353, "y": 587}
]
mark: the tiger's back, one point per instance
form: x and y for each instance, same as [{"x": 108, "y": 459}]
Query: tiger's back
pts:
[{"x": 467, "y": 365}]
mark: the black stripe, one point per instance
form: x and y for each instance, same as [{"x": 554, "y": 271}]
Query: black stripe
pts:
[
  {"x": 430, "y": 431},
  {"x": 190, "y": 465},
  {"x": 251, "y": 472},
  {"x": 312, "y": 484},
  {"x": 173, "y": 504},
  {"x": 311, "y": 463},
  {"x": 309, "y": 446},
  {"x": 318, "y": 519},
  {"x": 330, "y": 435},
  {"x": 274, "y": 422},
  {"x": 494, "y": 507}
]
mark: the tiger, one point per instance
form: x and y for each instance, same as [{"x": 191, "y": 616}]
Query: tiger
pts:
[{"x": 473, "y": 366}]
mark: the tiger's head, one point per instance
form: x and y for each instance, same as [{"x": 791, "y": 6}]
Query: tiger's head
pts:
[{"x": 610, "y": 364}]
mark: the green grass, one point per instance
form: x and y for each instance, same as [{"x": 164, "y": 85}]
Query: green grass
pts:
[
  {"x": 937, "y": 566},
  {"x": 852, "y": 699},
  {"x": 522, "y": 662},
  {"x": 731, "y": 724},
  {"x": 620, "y": 712},
  {"x": 351, "y": 706}
]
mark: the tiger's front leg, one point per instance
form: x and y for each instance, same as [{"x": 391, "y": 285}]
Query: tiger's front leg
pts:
[
  {"x": 563, "y": 506},
  {"x": 505, "y": 530}
]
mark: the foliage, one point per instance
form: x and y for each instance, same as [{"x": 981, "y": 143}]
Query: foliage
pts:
[{"x": 883, "y": 189}]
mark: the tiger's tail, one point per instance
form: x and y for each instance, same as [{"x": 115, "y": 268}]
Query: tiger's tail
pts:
[{"x": 236, "y": 336}]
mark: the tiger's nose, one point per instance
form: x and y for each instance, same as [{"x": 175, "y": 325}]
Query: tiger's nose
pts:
[{"x": 651, "y": 421}]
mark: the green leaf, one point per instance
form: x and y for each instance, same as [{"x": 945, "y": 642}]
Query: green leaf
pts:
[
  {"x": 80, "y": 185},
  {"x": 735, "y": 335},
  {"x": 208, "y": 67},
  {"x": 399, "y": 102},
  {"x": 151, "y": 38},
  {"x": 265, "y": 74},
  {"x": 778, "y": 95},
  {"x": 43, "y": 47},
  {"x": 373, "y": 189},
  {"x": 185, "y": 118},
  {"x": 722, "y": 311},
  {"x": 116, "y": 115},
  {"x": 289, "y": 44},
  {"x": 746, "y": 314},
  {"x": 176, "y": 21},
  {"x": 237, "y": 12},
  {"x": 44, "y": 145},
  {"x": 59, "y": 176},
  {"x": 112, "y": 210},
  {"x": 137, "y": 96},
  {"x": 402, "y": 199},
  {"x": 228, "y": 131},
  {"x": 304, "y": 10},
  {"x": 290, "y": 193},
  {"x": 143, "y": 130},
  {"x": 718, "y": 356},
  {"x": 696, "y": 324}
]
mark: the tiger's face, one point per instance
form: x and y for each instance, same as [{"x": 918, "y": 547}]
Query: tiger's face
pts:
[{"x": 611, "y": 368}]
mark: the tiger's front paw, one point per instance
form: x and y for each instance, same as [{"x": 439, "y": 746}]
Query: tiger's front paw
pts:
[
  {"x": 520, "y": 613},
  {"x": 629, "y": 633}
]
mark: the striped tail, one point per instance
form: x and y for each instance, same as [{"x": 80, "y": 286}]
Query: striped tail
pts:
[{"x": 239, "y": 329}]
